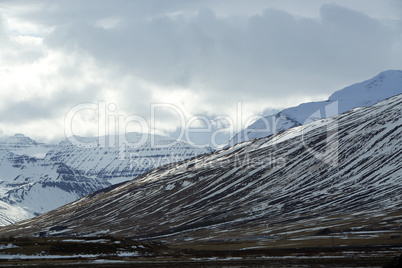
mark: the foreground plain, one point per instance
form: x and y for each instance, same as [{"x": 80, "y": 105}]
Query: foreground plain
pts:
[{"x": 117, "y": 252}]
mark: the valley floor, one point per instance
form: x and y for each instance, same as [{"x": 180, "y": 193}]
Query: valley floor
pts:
[{"x": 114, "y": 252}]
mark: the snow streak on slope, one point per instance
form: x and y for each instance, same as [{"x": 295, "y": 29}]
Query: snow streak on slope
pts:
[
  {"x": 380, "y": 87},
  {"x": 268, "y": 186}
]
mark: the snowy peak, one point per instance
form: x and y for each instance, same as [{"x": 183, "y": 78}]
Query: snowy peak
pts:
[
  {"x": 21, "y": 144},
  {"x": 382, "y": 85},
  {"x": 378, "y": 88},
  {"x": 369, "y": 92},
  {"x": 17, "y": 141}
]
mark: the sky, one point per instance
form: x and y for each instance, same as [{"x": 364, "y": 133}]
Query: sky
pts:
[{"x": 94, "y": 67}]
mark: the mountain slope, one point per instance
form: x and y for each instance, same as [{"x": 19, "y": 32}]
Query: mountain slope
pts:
[
  {"x": 378, "y": 88},
  {"x": 342, "y": 172},
  {"x": 10, "y": 214}
]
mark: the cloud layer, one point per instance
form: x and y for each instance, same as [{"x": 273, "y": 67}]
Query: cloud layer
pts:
[{"x": 203, "y": 56}]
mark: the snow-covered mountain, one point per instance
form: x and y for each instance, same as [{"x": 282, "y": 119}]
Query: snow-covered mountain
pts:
[
  {"x": 121, "y": 158},
  {"x": 341, "y": 173},
  {"x": 30, "y": 186},
  {"x": 37, "y": 177},
  {"x": 378, "y": 88}
]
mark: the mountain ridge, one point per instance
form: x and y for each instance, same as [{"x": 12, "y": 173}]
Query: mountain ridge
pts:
[{"x": 366, "y": 93}]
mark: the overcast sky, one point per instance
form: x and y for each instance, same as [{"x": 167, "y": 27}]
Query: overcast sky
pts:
[{"x": 201, "y": 56}]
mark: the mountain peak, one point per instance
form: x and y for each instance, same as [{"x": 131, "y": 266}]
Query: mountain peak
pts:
[
  {"x": 390, "y": 77},
  {"x": 391, "y": 73},
  {"x": 20, "y": 139},
  {"x": 19, "y": 135},
  {"x": 382, "y": 86}
]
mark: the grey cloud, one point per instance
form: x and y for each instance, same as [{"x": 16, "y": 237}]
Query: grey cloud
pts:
[
  {"x": 50, "y": 107},
  {"x": 20, "y": 54},
  {"x": 4, "y": 40},
  {"x": 223, "y": 59},
  {"x": 26, "y": 111},
  {"x": 13, "y": 52},
  {"x": 255, "y": 55},
  {"x": 49, "y": 12}
]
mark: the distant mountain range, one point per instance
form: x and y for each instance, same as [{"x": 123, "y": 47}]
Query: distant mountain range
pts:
[
  {"x": 120, "y": 158},
  {"x": 340, "y": 174},
  {"x": 37, "y": 177},
  {"x": 369, "y": 92}
]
